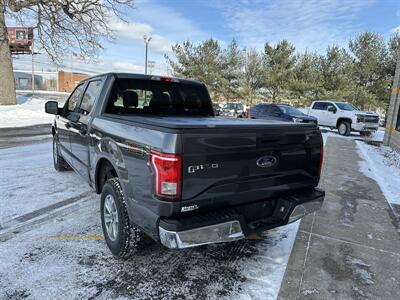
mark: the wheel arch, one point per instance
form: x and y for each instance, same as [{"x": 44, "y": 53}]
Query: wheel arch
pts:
[
  {"x": 342, "y": 119},
  {"x": 105, "y": 170}
]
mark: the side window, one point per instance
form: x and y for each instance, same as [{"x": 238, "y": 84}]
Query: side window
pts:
[
  {"x": 318, "y": 105},
  {"x": 74, "y": 99},
  {"x": 275, "y": 111},
  {"x": 254, "y": 110},
  {"x": 327, "y": 104},
  {"x": 266, "y": 109},
  {"x": 91, "y": 94}
]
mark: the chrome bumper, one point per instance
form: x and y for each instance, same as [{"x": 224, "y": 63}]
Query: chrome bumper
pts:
[
  {"x": 218, "y": 233},
  {"x": 365, "y": 126},
  {"x": 304, "y": 209},
  {"x": 224, "y": 232}
]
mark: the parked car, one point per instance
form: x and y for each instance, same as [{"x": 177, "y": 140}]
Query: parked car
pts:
[
  {"x": 232, "y": 109},
  {"x": 344, "y": 117},
  {"x": 382, "y": 121},
  {"x": 216, "y": 109},
  {"x": 167, "y": 168},
  {"x": 280, "y": 112}
]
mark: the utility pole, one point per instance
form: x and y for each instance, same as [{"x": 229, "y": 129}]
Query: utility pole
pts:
[
  {"x": 147, "y": 40},
  {"x": 33, "y": 66}
]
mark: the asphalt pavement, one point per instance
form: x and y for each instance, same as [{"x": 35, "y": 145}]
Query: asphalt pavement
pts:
[{"x": 19, "y": 136}]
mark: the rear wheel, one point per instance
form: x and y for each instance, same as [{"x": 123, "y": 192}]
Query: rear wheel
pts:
[
  {"x": 344, "y": 128},
  {"x": 59, "y": 163},
  {"x": 118, "y": 233}
]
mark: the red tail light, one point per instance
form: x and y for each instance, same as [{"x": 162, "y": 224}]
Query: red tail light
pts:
[
  {"x": 167, "y": 176},
  {"x": 321, "y": 160}
]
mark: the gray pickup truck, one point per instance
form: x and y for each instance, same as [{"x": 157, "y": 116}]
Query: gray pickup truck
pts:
[{"x": 166, "y": 167}]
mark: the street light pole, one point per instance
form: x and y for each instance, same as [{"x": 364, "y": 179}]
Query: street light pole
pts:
[
  {"x": 33, "y": 67},
  {"x": 147, "y": 40}
]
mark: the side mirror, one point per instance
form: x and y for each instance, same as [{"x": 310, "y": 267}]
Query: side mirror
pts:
[
  {"x": 51, "y": 107},
  {"x": 332, "y": 109}
]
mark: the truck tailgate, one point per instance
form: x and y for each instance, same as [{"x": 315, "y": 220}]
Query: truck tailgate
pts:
[{"x": 229, "y": 167}]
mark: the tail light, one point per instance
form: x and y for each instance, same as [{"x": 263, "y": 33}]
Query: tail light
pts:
[
  {"x": 167, "y": 176},
  {"x": 165, "y": 79},
  {"x": 321, "y": 160}
]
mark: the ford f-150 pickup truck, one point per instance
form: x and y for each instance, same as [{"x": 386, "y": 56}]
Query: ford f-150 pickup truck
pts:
[
  {"x": 166, "y": 167},
  {"x": 343, "y": 116}
]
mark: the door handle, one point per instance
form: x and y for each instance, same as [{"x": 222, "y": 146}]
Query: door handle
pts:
[{"x": 68, "y": 125}]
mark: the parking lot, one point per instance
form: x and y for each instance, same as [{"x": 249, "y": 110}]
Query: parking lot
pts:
[
  {"x": 52, "y": 251},
  {"x": 52, "y": 244}
]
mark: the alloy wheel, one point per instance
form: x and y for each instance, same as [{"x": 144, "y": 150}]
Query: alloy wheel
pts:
[
  {"x": 111, "y": 217},
  {"x": 342, "y": 128}
]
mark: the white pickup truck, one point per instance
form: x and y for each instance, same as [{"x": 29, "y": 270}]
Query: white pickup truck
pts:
[{"x": 343, "y": 116}]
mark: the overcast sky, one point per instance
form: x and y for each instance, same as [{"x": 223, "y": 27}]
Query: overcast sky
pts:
[{"x": 310, "y": 25}]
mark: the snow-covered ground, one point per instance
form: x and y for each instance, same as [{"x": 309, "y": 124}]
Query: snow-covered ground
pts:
[
  {"x": 65, "y": 257},
  {"x": 383, "y": 165},
  {"x": 28, "y": 181},
  {"x": 29, "y": 110},
  {"x": 377, "y": 136}
]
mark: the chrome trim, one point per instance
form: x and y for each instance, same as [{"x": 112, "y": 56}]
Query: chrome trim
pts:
[
  {"x": 218, "y": 233},
  {"x": 304, "y": 209}
]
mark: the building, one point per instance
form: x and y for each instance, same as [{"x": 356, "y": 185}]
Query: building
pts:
[
  {"x": 67, "y": 81},
  {"x": 44, "y": 81},
  {"x": 48, "y": 81},
  {"x": 20, "y": 39},
  {"x": 392, "y": 130}
]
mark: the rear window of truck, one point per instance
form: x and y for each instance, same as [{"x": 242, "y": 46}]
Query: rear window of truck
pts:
[{"x": 136, "y": 96}]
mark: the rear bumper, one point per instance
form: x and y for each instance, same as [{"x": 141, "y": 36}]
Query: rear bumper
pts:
[{"x": 237, "y": 223}]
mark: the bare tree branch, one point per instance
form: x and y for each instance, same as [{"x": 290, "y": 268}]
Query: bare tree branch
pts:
[{"x": 66, "y": 25}]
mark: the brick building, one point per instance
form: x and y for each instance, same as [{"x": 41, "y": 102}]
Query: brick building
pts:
[
  {"x": 67, "y": 81},
  {"x": 392, "y": 130}
]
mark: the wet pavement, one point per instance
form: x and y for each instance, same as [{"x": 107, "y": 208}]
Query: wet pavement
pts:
[{"x": 350, "y": 249}]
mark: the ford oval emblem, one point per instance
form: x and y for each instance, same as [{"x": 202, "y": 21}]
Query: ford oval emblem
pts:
[{"x": 266, "y": 161}]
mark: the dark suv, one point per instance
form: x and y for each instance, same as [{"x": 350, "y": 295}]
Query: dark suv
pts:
[{"x": 280, "y": 112}]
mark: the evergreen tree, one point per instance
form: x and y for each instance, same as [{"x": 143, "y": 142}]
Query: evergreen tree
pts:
[{"x": 279, "y": 64}]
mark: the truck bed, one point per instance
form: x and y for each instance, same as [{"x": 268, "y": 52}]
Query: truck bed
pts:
[{"x": 219, "y": 156}]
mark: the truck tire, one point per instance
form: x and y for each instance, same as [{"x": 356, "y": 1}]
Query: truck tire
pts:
[
  {"x": 59, "y": 163},
  {"x": 344, "y": 128},
  {"x": 119, "y": 235}
]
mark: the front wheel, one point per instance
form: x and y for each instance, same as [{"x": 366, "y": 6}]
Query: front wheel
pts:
[
  {"x": 118, "y": 233},
  {"x": 344, "y": 128}
]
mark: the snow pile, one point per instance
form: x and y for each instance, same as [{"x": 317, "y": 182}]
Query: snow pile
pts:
[
  {"x": 383, "y": 165},
  {"x": 390, "y": 156},
  {"x": 28, "y": 111},
  {"x": 378, "y": 135}
]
